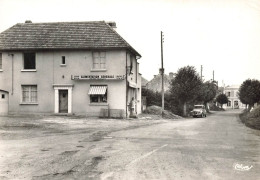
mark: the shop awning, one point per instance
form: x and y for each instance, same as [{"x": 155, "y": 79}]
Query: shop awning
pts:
[{"x": 97, "y": 90}]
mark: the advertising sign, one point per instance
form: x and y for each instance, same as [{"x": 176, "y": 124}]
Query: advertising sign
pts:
[{"x": 97, "y": 77}]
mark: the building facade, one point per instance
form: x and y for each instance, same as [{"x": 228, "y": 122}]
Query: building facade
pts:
[
  {"x": 83, "y": 68},
  {"x": 233, "y": 99},
  {"x": 156, "y": 83}
]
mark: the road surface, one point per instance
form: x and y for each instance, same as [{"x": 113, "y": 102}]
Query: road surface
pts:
[{"x": 216, "y": 147}]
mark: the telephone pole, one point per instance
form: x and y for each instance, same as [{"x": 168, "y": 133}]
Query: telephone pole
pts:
[
  {"x": 201, "y": 69},
  {"x": 162, "y": 72}
]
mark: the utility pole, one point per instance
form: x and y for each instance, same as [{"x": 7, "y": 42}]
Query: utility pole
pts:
[
  {"x": 162, "y": 72},
  {"x": 213, "y": 75},
  {"x": 201, "y": 69}
]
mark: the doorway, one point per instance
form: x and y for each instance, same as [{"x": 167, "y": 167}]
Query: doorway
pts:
[
  {"x": 4, "y": 102},
  {"x": 63, "y": 101}
]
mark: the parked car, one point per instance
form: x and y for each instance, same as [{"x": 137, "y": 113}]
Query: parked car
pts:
[{"x": 199, "y": 111}]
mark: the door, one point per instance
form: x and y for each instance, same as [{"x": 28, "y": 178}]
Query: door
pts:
[
  {"x": 3, "y": 103},
  {"x": 63, "y": 101}
]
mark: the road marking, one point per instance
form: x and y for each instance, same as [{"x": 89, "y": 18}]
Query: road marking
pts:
[
  {"x": 146, "y": 155},
  {"x": 110, "y": 174}
]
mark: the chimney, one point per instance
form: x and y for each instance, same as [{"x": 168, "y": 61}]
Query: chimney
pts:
[
  {"x": 112, "y": 24},
  {"x": 28, "y": 21},
  {"x": 171, "y": 75}
]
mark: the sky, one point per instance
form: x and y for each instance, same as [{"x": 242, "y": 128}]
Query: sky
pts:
[{"x": 220, "y": 35}]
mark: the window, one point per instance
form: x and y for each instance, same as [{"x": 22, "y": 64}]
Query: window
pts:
[
  {"x": 229, "y": 103},
  {"x": 29, "y": 93},
  {"x": 3, "y": 96},
  {"x": 29, "y": 61},
  {"x": 98, "y": 94},
  {"x": 228, "y": 94},
  {"x": 1, "y": 61},
  {"x": 99, "y": 60},
  {"x": 63, "y": 61}
]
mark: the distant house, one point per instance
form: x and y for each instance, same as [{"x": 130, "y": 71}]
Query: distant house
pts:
[
  {"x": 233, "y": 99},
  {"x": 144, "y": 82},
  {"x": 83, "y": 68},
  {"x": 156, "y": 83}
]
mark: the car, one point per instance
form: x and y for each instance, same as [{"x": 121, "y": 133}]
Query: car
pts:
[{"x": 199, "y": 111}]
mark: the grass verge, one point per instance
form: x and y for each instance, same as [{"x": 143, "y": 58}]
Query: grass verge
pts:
[{"x": 249, "y": 121}]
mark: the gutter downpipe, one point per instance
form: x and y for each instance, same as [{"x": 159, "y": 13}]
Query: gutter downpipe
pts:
[
  {"x": 126, "y": 84},
  {"x": 12, "y": 92}
]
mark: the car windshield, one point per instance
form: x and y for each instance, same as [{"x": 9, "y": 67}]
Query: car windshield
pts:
[{"x": 198, "y": 107}]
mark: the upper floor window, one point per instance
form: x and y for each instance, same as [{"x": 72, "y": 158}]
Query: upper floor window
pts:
[
  {"x": 228, "y": 94},
  {"x": 99, "y": 60},
  {"x": 29, "y": 61},
  {"x": 29, "y": 93},
  {"x": 63, "y": 60},
  {"x": 1, "y": 61}
]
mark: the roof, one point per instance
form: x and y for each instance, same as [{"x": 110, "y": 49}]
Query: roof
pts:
[
  {"x": 63, "y": 35},
  {"x": 232, "y": 87},
  {"x": 156, "y": 83},
  {"x": 144, "y": 81}
]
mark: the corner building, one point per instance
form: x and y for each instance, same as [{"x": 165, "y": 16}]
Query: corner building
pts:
[{"x": 82, "y": 68}]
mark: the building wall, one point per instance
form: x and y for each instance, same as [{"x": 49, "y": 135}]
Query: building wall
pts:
[
  {"x": 156, "y": 83},
  {"x": 134, "y": 85},
  {"x": 49, "y": 72},
  {"x": 233, "y": 97},
  {"x": 3, "y": 103}
]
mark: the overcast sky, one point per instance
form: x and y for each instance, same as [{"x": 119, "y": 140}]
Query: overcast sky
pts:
[{"x": 221, "y": 35}]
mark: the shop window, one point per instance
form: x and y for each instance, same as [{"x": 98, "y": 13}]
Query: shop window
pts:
[
  {"x": 99, "y": 60},
  {"x": 98, "y": 98},
  {"x": 98, "y": 94},
  {"x": 29, "y": 61},
  {"x": 29, "y": 93},
  {"x": 1, "y": 62}
]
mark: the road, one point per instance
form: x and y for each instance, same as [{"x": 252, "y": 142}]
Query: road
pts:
[{"x": 216, "y": 147}]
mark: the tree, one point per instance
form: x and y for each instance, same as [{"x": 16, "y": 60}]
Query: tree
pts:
[
  {"x": 208, "y": 93},
  {"x": 222, "y": 99},
  {"x": 185, "y": 86},
  {"x": 249, "y": 92}
]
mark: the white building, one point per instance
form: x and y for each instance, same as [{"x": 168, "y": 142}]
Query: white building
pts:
[{"x": 233, "y": 99}]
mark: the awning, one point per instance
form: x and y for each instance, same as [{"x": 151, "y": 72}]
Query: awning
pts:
[{"x": 97, "y": 90}]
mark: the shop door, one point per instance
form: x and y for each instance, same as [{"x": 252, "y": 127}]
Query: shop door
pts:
[{"x": 63, "y": 101}]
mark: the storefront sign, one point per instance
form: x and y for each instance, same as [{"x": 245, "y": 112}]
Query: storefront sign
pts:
[{"x": 98, "y": 77}]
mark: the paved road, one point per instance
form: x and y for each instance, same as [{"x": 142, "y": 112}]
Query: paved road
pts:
[{"x": 216, "y": 147}]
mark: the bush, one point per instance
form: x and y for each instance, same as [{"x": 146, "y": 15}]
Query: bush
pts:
[
  {"x": 156, "y": 110},
  {"x": 213, "y": 107},
  {"x": 251, "y": 119},
  {"x": 255, "y": 113}
]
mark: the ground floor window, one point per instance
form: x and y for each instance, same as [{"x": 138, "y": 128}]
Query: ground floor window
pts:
[
  {"x": 98, "y": 94},
  {"x": 229, "y": 103},
  {"x": 29, "y": 93}
]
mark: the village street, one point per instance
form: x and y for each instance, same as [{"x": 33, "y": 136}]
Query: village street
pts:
[{"x": 216, "y": 147}]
